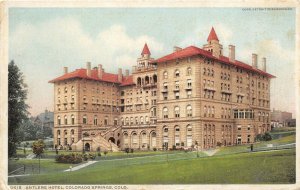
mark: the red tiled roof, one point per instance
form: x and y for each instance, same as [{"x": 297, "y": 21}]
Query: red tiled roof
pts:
[
  {"x": 212, "y": 35},
  {"x": 81, "y": 73},
  {"x": 146, "y": 50},
  {"x": 127, "y": 81},
  {"x": 192, "y": 50}
]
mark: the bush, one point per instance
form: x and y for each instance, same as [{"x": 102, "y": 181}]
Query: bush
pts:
[
  {"x": 174, "y": 147},
  {"x": 85, "y": 157},
  {"x": 69, "y": 158},
  {"x": 92, "y": 156},
  {"x": 264, "y": 137},
  {"x": 105, "y": 152},
  {"x": 154, "y": 149},
  {"x": 126, "y": 150},
  {"x": 131, "y": 150},
  {"x": 99, "y": 154},
  {"x": 219, "y": 144},
  {"x": 267, "y": 137}
]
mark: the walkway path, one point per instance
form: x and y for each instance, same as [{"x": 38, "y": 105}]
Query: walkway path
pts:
[
  {"x": 30, "y": 156},
  {"x": 211, "y": 152},
  {"x": 80, "y": 166}
]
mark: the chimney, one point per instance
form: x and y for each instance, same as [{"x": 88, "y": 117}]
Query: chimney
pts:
[
  {"x": 100, "y": 71},
  {"x": 133, "y": 69},
  {"x": 88, "y": 69},
  {"x": 264, "y": 64},
  {"x": 127, "y": 72},
  {"x": 176, "y": 48},
  {"x": 65, "y": 70},
  {"x": 254, "y": 60},
  {"x": 231, "y": 53},
  {"x": 120, "y": 75}
]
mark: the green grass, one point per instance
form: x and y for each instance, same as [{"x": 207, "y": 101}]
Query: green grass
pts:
[
  {"x": 246, "y": 148},
  {"x": 32, "y": 166},
  {"x": 256, "y": 168}
]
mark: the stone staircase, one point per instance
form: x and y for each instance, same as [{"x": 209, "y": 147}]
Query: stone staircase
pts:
[{"x": 99, "y": 140}]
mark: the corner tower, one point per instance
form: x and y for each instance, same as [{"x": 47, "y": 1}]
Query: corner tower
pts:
[{"x": 213, "y": 44}]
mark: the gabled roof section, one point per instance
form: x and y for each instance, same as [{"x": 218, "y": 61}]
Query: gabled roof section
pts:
[
  {"x": 81, "y": 73},
  {"x": 192, "y": 51},
  {"x": 212, "y": 35},
  {"x": 146, "y": 50}
]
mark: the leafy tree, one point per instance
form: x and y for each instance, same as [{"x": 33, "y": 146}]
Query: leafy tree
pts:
[
  {"x": 38, "y": 147},
  {"x": 17, "y": 108},
  {"x": 38, "y": 150}
]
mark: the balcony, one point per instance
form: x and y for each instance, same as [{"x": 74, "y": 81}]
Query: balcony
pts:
[
  {"x": 149, "y": 85},
  {"x": 188, "y": 88},
  {"x": 210, "y": 88},
  {"x": 164, "y": 90},
  {"x": 240, "y": 94},
  {"x": 226, "y": 91},
  {"x": 176, "y": 89}
]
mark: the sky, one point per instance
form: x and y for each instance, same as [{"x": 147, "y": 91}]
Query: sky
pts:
[{"x": 44, "y": 40}]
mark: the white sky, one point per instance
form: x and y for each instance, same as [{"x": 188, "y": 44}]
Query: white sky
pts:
[{"x": 44, "y": 40}]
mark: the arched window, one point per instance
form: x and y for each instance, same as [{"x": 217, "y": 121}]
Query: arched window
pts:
[
  {"x": 72, "y": 119},
  {"x": 58, "y": 120},
  {"x": 136, "y": 120},
  {"x": 165, "y": 112},
  {"x": 84, "y": 119},
  {"x": 131, "y": 121},
  {"x": 189, "y": 135},
  {"x": 58, "y": 132},
  {"x": 58, "y": 91},
  {"x": 95, "y": 120},
  {"x": 125, "y": 136},
  {"x": 134, "y": 139},
  {"x": 189, "y": 71},
  {"x": 147, "y": 119},
  {"x": 72, "y": 132},
  {"x": 66, "y": 120},
  {"x": 189, "y": 111},
  {"x": 205, "y": 111},
  {"x": 165, "y": 135},
  {"x": 177, "y": 73},
  {"x": 66, "y": 90},
  {"x": 65, "y": 132},
  {"x": 144, "y": 139},
  {"x": 204, "y": 71},
  {"x": 177, "y": 111},
  {"x": 142, "y": 119},
  {"x": 127, "y": 121},
  {"x": 122, "y": 120},
  {"x": 73, "y": 89},
  {"x": 177, "y": 136},
  {"x": 165, "y": 75}
]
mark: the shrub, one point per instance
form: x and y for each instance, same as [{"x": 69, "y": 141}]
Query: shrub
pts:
[
  {"x": 174, "y": 147},
  {"x": 126, "y": 150},
  {"x": 219, "y": 144},
  {"x": 105, "y": 152},
  {"x": 92, "y": 156},
  {"x": 267, "y": 137},
  {"x": 99, "y": 154},
  {"x": 85, "y": 157},
  {"x": 131, "y": 150},
  {"x": 154, "y": 149},
  {"x": 70, "y": 158}
]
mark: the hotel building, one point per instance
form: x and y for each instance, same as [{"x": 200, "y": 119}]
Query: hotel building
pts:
[{"x": 190, "y": 97}]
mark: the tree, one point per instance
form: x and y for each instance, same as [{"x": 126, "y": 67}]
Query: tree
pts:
[
  {"x": 17, "y": 108},
  {"x": 38, "y": 149}
]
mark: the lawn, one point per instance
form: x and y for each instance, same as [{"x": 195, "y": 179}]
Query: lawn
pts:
[
  {"x": 246, "y": 148},
  {"x": 257, "y": 168}
]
